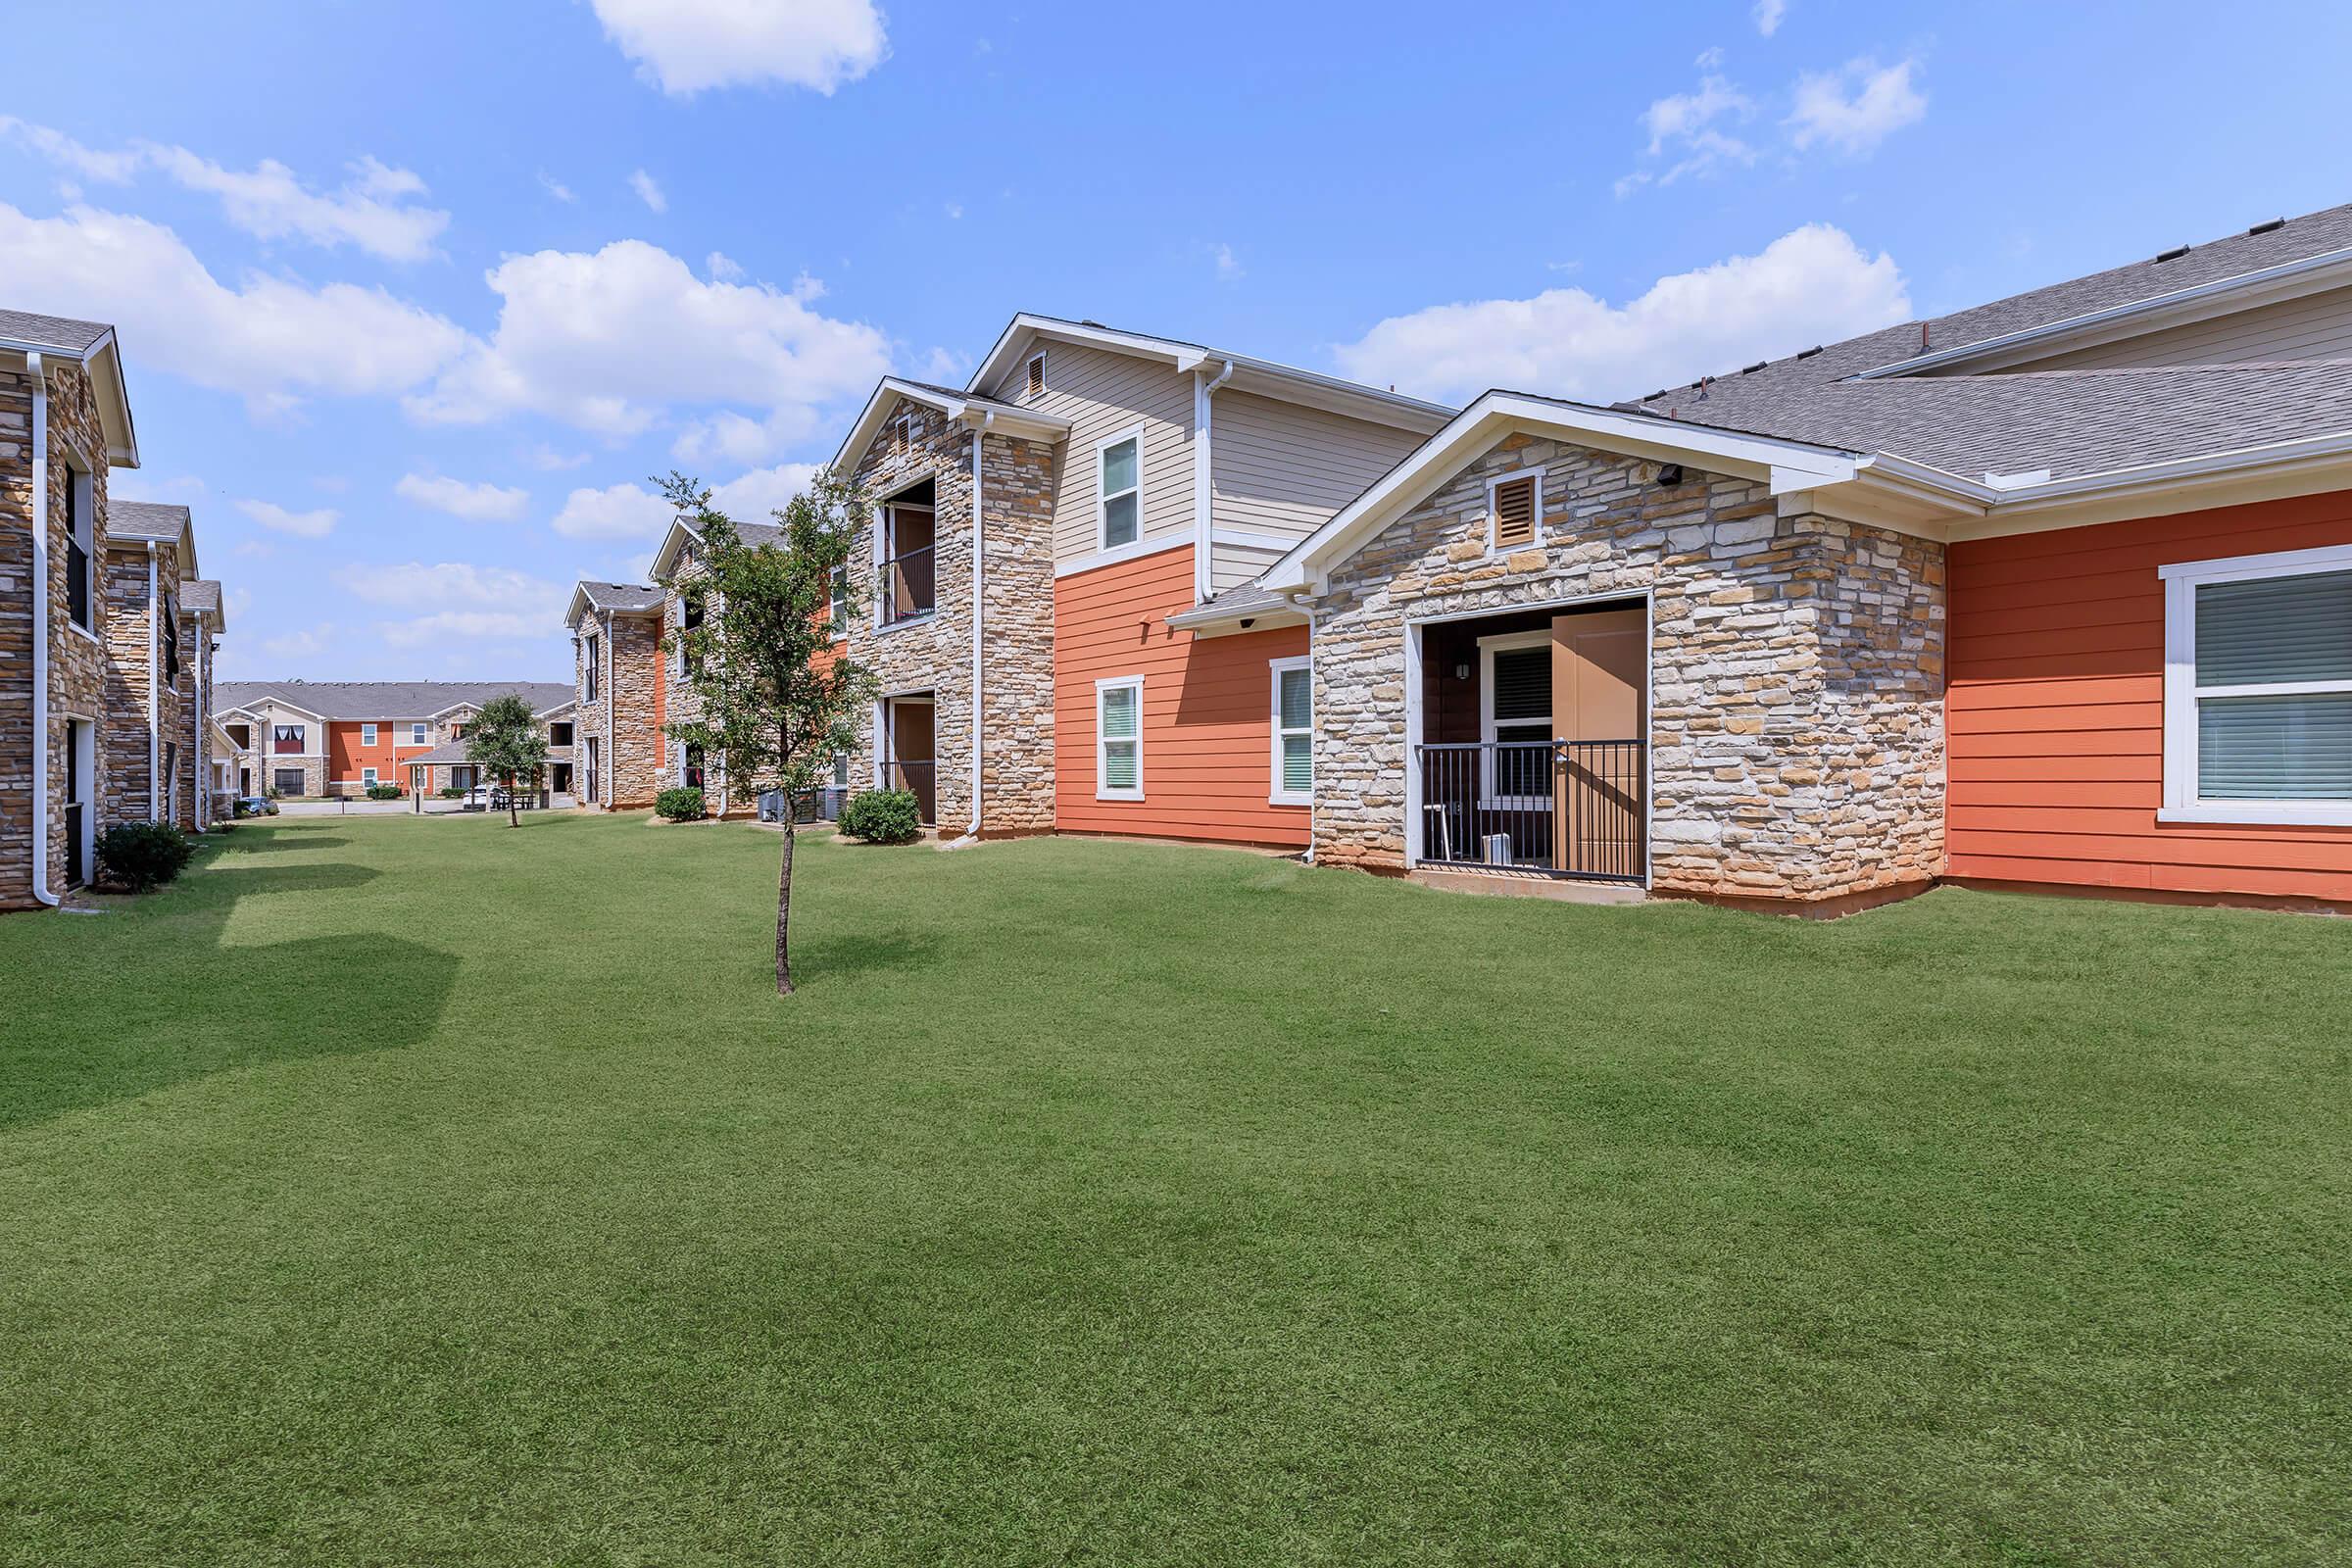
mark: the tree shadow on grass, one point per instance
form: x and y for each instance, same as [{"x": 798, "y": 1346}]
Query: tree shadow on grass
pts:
[
  {"x": 263, "y": 841},
  {"x": 105, "y": 1011},
  {"x": 818, "y": 960}
]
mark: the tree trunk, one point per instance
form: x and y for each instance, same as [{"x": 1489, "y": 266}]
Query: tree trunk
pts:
[
  {"x": 514, "y": 812},
  {"x": 784, "y": 917}
]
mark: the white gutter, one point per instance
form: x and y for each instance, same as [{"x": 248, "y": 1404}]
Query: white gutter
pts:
[
  {"x": 199, "y": 761},
  {"x": 607, "y": 781},
  {"x": 1203, "y": 483},
  {"x": 40, "y": 631},
  {"x": 154, "y": 707}
]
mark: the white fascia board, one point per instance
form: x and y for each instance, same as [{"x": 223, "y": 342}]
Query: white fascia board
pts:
[
  {"x": 2223, "y": 295},
  {"x": 1266, "y": 377},
  {"x": 1789, "y": 466},
  {"x": 1205, "y": 622},
  {"x": 1001, "y": 418},
  {"x": 665, "y": 558}
]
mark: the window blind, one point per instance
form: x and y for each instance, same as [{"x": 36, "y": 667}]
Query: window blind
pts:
[
  {"x": 1298, "y": 741},
  {"x": 2285, "y": 748},
  {"x": 1522, "y": 684},
  {"x": 2273, "y": 630}
]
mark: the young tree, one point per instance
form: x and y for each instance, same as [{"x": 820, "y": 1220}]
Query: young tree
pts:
[
  {"x": 504, "y": 738},
  {"x": 778, "y": 701}
]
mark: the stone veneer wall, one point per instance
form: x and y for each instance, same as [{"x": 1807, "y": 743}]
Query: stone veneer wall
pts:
[
  {"x": 1797, "y": 669},
  {"x": 935, "y": 654},
  {"x": 630, "y": 751},
  {"x": 77, "y": 663},
  {"x": 125, "y": 724}
]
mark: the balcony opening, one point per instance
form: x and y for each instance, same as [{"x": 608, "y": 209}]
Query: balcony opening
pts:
[
  {"x": 909, "y": 523},
  {"x": 909, "y": 760},
  {"x": 1533, "y": 747}
]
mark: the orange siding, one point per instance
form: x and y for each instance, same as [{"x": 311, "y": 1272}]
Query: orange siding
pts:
[
  {"x": 347, "y": 753},
  {"x": 1208, "y": 703},
  {"x": 2056, "y": 711}
]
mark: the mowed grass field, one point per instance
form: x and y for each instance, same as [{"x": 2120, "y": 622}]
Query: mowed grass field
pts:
[{"x": 405, "y": 1191}]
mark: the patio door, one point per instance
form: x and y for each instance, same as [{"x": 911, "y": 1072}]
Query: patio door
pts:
[
  {"x": 912, "y": 763},
  {"x": 1599, "y": 707}
]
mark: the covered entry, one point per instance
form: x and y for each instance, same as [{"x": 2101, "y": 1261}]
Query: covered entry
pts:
[
  {"x": 1532, "y": 752},
  {"x": 908, "y": 755}
]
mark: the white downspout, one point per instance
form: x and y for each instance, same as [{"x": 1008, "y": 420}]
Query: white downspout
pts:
[
  {"x": 200, "y": 761},
  {"x": 971, "y": 834},
  {"x": 155, "y": 706},
  {"x": 1205, "y": 576},
  {"x": 40, "y": 631},
  {"x": 1312, "y": 794}
]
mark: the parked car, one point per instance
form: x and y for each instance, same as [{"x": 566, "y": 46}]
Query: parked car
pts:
[{"x": 256, "y": 805}]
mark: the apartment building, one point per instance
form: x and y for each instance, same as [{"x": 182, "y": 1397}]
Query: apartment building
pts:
[
  {"x": 620, "y": 689},
  {"x": 304, "y": 739},
  {"x": 162, "y": 619}
]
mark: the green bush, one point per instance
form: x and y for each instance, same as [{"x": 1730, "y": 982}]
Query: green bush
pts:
[
  {"x": 453, "y": 792},
  {"x": 883, "y": 816},
  {"x": 141, "y": 856},
  {"x": 384, "y": 791},
  {"x": 680, "y": 805}
]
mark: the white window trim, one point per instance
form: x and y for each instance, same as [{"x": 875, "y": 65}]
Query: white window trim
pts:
[
  {"x": 1109, "y": 683},
  {"x": 368, "y": 734},
  {"x": 86, "y": 512},
  {"x": 366, "y": 779},
  {"x": 419, "y": 734},
  {"x": 1488, "y": 646},
  {"x": 2181, "y": 579},
  {"x": 1495, "y": 481},
  {"x": 1103, "y": 499},
  {"x": 1276, "y": 668}
]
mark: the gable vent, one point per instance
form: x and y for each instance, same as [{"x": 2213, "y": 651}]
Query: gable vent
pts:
[
  {"x": 1037, "y": 376},
  {"x": 1515, "y": 513}
]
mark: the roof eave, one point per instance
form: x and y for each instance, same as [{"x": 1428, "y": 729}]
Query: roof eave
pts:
[{"x": 999, "y": 418}]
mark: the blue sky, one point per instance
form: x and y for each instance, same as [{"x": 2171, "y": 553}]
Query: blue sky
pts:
[{"x": 416, "y": 299}]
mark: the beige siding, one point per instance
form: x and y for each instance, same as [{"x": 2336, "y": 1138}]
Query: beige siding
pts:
[
  {"x": 2318, "y": 326},
  {"x": 1283, "y": 469},
  {"x": 1102, "y": 394}
]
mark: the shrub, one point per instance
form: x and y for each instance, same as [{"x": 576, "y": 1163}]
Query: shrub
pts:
[
  {"x": 384, "y": 791},
  {"x": 680, "y": 805},
  {"x": 144, "y": 855},
  {"x": 883, "y": 816},
  {"x": 453, "y": 792}
]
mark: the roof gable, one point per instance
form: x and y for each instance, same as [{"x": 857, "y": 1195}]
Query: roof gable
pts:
[{"x": 971, "y": 407}]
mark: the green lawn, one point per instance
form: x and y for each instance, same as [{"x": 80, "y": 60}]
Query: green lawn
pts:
[{"x": 399, "y": 1192}]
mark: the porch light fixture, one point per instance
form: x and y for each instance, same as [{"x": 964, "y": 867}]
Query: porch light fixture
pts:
[{"x": 1461, "y": 671}]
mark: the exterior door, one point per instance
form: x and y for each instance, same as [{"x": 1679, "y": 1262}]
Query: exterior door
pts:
[
  {"x": 592, "y": 794},
  {"x": 78, "y": 780},
  {"x": 1599, "y": 694},
  {"x": 289, "y": 781},
  {"x": 913, "y": 765}
]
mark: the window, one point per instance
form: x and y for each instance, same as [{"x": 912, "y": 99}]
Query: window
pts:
[
  {"x": 590, "y": 647},
  {"x": 457, "y": 732},
  {"x": 841, "y": 770},
  {"x": 81, "y": 573},
  {"x": 417, "y": 735},
  {"x": 1293, "y": 723},
  {"x": 2258, "y": 688},
  {"x": 558, "y": 734},
  {"x": 367, "y": 778},
  {"x": 1037, "y": 377},
  {"x": 692, "y": 776},
  {"x": 1514, "y": 699},
  {"x": 1514, "y": 503},
  {"x": 838, "y": 621},
  {"x": 1119, "y": 739},
  {"x": 1117, "y": 471},
  {"x": 288, "y": 739},
  {"x": 366, "y": 734},
  {"x": 171, "y": 642},
  {"x": 690, "y": 620}
]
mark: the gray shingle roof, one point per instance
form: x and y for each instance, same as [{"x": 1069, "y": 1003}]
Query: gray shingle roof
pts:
[
  {"x": 622, "y": 596},
  {"x": 387, "y": 698},
  {"x": 146, "y": 519},
  {"x": 201, "y": 595},
  {"x": 2068, "y": 421},
  {"x": 1241, "y": 601},
  {"x": 60, "y": 332}
]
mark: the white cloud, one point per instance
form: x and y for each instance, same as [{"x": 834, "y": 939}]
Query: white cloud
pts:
[
  {"x": 374, "y": 208},
  {"x": 1880, "y": 103},
  {"x": 1229, "y": 266},
  {"x": 1710, "y": 59},
  {"x": 477, "y": 503},
  {"x": 953, "y": 210},
  {"x": 687, "y": 45},
  {"x": 1768, "y": 15},
  {"x": 464, "y": 601},
  {"x": 616, "y": 511},
  {"x": 751, "y": 496},
  {"x": 1812, "y": 284},
  {"x": 269, "y": 339},
  {"x": 608, "y": 341},
  {"x": 733, "y": 440},
  {"x": 1683, "y": 115},
  {"x": 944, "y": 367},
  {"x": 556, "y": 188},
  {"x": 722, "y": 268},
  {"x": 300, "y": 644},
  {"x": 648, "y": 191},
  {"x": 549, "y": 461},
  {"x": 302, "y": 524}
]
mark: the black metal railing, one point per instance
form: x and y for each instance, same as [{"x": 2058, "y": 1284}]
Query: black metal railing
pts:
[
  {"x": 77, "y": 870},
  {"x": 908, "y": 586},
  {"x": 1568, "y": 809},
  {"x": 78, "y": 582}
]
